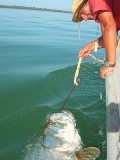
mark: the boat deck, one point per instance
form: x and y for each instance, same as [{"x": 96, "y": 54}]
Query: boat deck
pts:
[{"x": 113, "y": 111}]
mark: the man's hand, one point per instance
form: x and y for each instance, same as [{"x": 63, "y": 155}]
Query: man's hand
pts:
[
  {"x": 105, "y": 70},
  {"x": 85, "y": 51}
]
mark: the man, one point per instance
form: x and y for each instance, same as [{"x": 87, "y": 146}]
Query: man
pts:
[{"x": 107, "y": 13}]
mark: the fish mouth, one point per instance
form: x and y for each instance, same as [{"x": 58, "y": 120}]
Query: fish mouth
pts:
[{"x": 51, "y": 141}]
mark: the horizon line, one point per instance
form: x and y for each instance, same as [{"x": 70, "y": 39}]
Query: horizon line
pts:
[{"x": 33, "y": 8}]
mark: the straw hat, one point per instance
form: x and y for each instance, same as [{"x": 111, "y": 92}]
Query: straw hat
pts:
[{"x": 76, "y": 7}]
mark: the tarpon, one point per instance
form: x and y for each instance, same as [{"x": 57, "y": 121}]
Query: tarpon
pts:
[{"x": 61, "y": 141}]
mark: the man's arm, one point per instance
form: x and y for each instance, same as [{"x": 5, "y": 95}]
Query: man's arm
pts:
[{"x": 108, "y": 28}]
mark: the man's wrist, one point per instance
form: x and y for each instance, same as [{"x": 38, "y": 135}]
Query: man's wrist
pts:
[{"x": 107, "y": 64}]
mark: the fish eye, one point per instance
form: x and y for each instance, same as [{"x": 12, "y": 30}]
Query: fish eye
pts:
[{"x": 51, "y": 123}]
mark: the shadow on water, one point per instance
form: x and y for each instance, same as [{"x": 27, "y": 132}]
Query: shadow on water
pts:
[{"x": 30, "y": 102}]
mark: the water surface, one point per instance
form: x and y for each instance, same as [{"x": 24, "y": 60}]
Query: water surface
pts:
[{"x": 38, "y": 58}]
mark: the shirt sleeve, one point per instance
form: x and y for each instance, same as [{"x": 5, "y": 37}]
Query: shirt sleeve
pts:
[{"x": 99, "y": 5}]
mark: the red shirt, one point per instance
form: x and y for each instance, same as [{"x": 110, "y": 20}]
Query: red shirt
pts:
[{"x": 106, "y": 5}]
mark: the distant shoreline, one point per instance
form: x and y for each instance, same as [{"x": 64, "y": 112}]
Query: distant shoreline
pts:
[{"x": 33, "y": 8}]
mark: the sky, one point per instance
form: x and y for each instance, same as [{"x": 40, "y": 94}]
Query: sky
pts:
[{"x": 51, "y": 4}]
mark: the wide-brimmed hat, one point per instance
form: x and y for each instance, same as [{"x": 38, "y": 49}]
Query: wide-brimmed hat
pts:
[{"x": 76, "y": 7}]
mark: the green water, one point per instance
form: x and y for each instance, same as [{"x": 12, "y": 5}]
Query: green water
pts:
[{"x": 38, "y": 57}]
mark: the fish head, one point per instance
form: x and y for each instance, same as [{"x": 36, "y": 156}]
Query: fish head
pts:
[{"x": 60, "y": 132}]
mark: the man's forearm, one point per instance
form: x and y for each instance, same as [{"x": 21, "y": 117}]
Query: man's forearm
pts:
[{"x": 110, "y": 42}]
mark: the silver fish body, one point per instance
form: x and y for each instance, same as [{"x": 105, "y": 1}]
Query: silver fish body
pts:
[
  {"x": 61, "y": 133},
  {"x": 61, "y": 141}
]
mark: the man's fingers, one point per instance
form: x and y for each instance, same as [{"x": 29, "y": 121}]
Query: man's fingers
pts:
[{"x": 84, "y": 53}]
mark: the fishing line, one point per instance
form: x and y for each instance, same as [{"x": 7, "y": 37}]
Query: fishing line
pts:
[
  {"x": 73, "y": 88},
  {"x": 76, "y": 80}
]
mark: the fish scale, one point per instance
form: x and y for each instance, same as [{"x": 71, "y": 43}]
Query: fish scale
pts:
[{"x": 61, "y": 145}]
